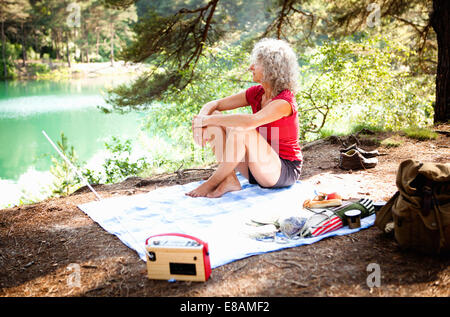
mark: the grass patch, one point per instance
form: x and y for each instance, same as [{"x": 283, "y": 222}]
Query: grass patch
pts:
[
  {"x": 391, "y": 142},
  {"x": 420, "y": 134},
  {"x": 363, "y": 126},
  {"x": 325, "y": 133},
  {"x": 345, "y": 130}
]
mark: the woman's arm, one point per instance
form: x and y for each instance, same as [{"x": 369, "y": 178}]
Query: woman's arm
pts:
[
  {"x": 275, "y": 110},
  {"x": 227, "y": 103}
]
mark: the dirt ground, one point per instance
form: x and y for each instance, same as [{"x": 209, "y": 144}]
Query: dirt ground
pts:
[{"x": 41, "y": 243}]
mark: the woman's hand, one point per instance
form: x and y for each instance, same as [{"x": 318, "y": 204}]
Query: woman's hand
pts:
[
  {"x": 199, "y": 121},
  {"x": 198, "y": 129}
]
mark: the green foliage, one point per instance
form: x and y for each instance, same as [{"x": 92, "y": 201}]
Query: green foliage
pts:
[
  {"x": 12, "y": 52},
  {"x": 65, "y": 181},
  {"x": 221, "y": 71},
  {"x": 44, "y": 26},
  {"x": 38, "y": 69},
  {"x": 31, "y": 54},
  {"x": 10, "y": 70},
  {"x": 46, "y": 73},
  {"x": 365, "y": 81},
  {"x": 118, "y": 166}
]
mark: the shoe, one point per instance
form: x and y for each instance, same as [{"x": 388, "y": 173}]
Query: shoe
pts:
[
  {"x": 264, "y": 218},
  {"x": 262, "y": 232},
  {"x": 354, "y": 160},
  {"x": 366, "y": 154}
]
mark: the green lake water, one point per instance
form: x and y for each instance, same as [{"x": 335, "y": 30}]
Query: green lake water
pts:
[{"x": 27, "y": 108}]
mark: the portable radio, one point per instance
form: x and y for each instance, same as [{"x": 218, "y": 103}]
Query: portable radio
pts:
[{"x": 177, "y": 256}]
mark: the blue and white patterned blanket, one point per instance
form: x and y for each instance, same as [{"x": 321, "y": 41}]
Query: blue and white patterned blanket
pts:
[{"x": 221, "y": 222}]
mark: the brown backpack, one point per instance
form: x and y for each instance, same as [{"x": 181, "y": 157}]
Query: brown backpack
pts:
[{"x": 419, "y": 212}]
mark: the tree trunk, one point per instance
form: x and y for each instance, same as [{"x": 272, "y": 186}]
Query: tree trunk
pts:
[
  {"x": 98, "y": 42},
  {"x": 56, "y": 41},
  {"x": 24, "y": 50},
  {"x": 5, "y": 73},
  {"x": 112, "y": 45},
  {"x": 57, "y": 44},
  {"x": 67, "y": 50},
  {"x": 440, "y": 18}
]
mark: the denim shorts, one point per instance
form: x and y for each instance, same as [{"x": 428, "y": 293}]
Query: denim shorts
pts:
[{"x": 290, "y": 173}]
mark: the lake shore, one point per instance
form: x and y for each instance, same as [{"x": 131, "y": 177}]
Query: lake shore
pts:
[{"x": 49, "y": 69}]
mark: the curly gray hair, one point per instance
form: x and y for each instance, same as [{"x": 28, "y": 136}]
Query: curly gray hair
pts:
[{"x": 279, "y": 63}]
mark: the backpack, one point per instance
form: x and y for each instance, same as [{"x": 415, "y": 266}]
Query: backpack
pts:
[{"x": 419, "y": 212}]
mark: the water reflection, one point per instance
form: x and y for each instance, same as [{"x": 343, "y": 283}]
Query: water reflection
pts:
[{"x": 70, "y": 106}]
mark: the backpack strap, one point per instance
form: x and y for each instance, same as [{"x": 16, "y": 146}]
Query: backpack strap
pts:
[
  {"x": 427, "y": 191},
  {"x": 443, "y": 243},
  {"x": 384, "y": 215},
  {"x": 431, "y": 203}
]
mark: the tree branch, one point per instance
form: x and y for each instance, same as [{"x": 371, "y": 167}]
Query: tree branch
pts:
[
  {"x": 284, "y": 16},
  {"x": 415, "y": 26}
]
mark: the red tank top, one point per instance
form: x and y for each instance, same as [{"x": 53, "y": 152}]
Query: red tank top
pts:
[{"x": 285, "y": 130}]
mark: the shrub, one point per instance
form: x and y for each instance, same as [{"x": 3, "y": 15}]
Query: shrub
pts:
[{"x": 363, "y": 81}]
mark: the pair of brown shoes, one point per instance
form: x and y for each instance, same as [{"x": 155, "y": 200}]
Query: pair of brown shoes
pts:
[{"x": 355, "y": 158}]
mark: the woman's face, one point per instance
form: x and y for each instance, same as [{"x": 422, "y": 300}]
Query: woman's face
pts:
[{"x": 257, "y": 71}]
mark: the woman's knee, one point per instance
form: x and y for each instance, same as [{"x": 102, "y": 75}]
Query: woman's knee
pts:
[
  {"x": 214, "y": 130},
  {"x": 243, "y": 137},
  {"x": 214, "y": 133},
  {"x": 241, "y": 132}
]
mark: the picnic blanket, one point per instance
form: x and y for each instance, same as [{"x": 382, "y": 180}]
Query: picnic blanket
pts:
[{"x": 221, "y": 222}]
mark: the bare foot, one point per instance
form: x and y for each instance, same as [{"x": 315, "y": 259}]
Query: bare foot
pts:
[
  {"x": 229, "y": 184},
  {"x": 201, "y": 191}
]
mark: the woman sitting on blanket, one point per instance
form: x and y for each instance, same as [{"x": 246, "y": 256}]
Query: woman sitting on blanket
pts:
[{"x": 262, "y": 146}]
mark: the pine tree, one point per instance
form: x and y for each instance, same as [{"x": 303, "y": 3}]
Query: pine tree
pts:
[{"x": 12, "y": 12}]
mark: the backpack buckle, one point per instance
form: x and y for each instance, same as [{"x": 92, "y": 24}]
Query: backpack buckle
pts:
[{"x": 427, "y": 190}]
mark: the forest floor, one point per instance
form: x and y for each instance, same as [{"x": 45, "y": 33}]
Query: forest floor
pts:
[{"x": 39, "y": 243}]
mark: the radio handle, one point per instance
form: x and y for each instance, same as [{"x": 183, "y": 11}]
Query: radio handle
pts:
[{"x": 179, "y": 235}]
